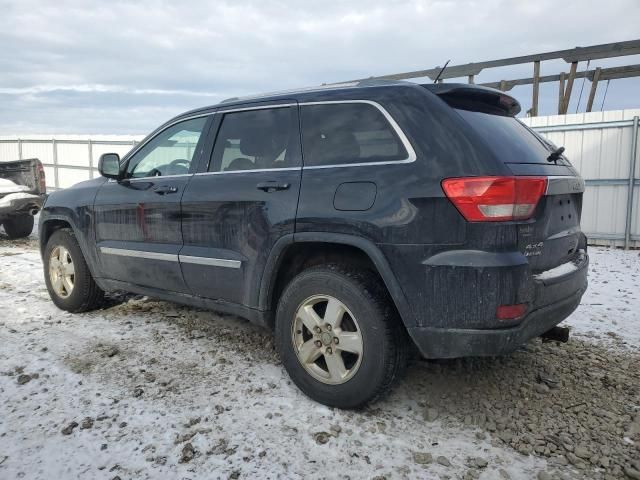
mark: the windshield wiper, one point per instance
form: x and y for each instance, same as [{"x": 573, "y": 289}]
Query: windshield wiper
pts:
[{"x": 555, "y": 155}]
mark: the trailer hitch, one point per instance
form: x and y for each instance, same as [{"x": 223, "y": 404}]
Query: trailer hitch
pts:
[{"x": 559, "y": 334}]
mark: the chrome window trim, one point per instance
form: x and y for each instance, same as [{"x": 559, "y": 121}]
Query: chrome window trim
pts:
[
  {"x": 209, "y": 261},
  {"x": 124, "y": 252},
  {"x": 133, "y": 179},
  {"x": 133, "y": 151},
  {"x": 257, "y": 107},
  {"x": 401, "y": 135},
  {"x": 396, "y": 128},
  {"x": 255, "y": 170},
  {"x": 359, "y": 164}
]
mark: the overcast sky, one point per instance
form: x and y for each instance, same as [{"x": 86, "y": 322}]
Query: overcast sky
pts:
[{"x": 95, "y": 66}]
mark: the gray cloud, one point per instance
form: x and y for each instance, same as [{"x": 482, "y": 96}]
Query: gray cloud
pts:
[{"x": 123, "y": 67}]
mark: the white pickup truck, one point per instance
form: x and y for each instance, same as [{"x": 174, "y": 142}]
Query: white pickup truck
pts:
[{"x": 22, "y": 192}]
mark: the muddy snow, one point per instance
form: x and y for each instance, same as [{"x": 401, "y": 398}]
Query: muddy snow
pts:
[{"x": 150, "y": 389}]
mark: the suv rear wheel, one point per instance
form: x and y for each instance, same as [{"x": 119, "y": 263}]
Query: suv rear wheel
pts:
[
  {"x": 339, "y": 337},
  {"x": 18, "y": 227},
  {"x": 68, "y": 279}
]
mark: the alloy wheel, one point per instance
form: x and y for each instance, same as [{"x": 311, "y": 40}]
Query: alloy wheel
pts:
[
  {"x": 61, "y": 272},
  {"x": 327, "y": 339}
]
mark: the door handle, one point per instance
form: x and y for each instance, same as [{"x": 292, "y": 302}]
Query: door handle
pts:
[
  {"x": 272, "y": 186},
  {"x": 165, "y": 189}
]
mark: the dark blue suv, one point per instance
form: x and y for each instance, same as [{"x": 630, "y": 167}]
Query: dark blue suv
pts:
[{"x": 354, "y": 220}]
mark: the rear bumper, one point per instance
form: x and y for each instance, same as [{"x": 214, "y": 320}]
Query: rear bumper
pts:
[
  {"x": 552, "y": 300},
  {"x": 20, "y": 204}
]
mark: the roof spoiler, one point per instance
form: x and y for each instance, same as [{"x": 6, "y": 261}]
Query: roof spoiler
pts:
[{"x": 475, "y": 98}]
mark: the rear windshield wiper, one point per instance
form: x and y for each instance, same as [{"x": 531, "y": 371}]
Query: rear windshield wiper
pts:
[{"x": 555, "y": 155}]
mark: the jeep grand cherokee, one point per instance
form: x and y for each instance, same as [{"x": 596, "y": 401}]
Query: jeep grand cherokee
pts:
[{"x": 351, "y": 219}]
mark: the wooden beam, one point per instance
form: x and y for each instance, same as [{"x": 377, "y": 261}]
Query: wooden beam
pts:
[
  {"x": 578, "y": 54},
  {"x": 612, "y": 73},
  {"x": 594, "y": 86},
  {"x": 561, "y": 93},
  {"x": 536, "y": 89},
  {"x": 567, "y": 91}
]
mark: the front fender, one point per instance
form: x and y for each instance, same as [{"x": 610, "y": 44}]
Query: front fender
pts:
[
  {"x": 73, "y": 206},
  {"x": 49, "y": 223}
]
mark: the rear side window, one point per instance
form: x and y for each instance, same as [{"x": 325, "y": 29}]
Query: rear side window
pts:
[
  {"x": 507, "y": 137},
  {"x": 345, "y": 133},
  {"x": 256, "y": 139}
]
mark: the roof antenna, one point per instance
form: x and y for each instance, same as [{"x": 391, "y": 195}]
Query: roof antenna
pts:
[{"x": 440, "y": 74}]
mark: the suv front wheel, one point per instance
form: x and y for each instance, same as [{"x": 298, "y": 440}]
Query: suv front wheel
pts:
[
  {"x": 68, "y": 279},
  {"x": 339, "y": 337}
]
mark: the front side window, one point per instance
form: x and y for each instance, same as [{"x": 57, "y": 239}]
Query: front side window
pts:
[
  {"x": 168, "y": 153},
  {"x": 256, "y": 139},
  {"x": 344, "y": 133}
]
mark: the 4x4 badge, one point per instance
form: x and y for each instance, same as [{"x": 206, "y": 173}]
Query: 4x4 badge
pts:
[{"x": 533, "y": 249}]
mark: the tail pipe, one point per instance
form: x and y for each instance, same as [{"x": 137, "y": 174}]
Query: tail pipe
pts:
[{"x": 559, "y": 334}]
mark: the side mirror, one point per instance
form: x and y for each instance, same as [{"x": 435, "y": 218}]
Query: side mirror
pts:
[{"x": 109, "y": 166}]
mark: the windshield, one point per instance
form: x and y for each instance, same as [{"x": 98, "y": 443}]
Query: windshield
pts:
[{"x": 509, "y": 139}]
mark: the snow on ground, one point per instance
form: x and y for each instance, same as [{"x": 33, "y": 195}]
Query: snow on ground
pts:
[
  {"x": 164, "y": 391},
  {"x": 610, "y": 309}
]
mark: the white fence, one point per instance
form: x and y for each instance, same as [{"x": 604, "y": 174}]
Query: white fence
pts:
[
  {"x": 603, "y": 146},
  {"x": 67, "y": 159}
]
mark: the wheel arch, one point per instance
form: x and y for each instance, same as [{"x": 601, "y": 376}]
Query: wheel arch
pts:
[
  {"x": 52, "y": 223},
  {"x": 291, "y": 255},
  {"x": 49, "y": 226}
]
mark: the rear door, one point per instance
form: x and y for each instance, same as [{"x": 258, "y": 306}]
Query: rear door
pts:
[
  {"x": 138, "y": 220},
  {"x": 554, "y": 236},
  {"x": 241, "y": 202},
  {"x": 352, "y": 149}
]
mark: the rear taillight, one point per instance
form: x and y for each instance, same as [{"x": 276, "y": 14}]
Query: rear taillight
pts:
[
  {"x": 495, "y": 199},
  {"x": 511, "y": 312},
  {"x": 42, "y": 179}
]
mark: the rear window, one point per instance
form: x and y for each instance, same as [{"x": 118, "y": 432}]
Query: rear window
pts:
[
  {"x": 344, "y": 133},
  {"x": 508, "y": 138}
]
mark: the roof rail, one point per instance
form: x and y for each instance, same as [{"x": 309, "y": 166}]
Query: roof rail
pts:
[{"x": 325, "y": 86}]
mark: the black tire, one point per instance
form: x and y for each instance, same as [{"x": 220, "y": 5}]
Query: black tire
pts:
[
  {"x": 18, "y": 227},
  {"x": 85, "y": 295},
  {"x": 384, "y": 338}
]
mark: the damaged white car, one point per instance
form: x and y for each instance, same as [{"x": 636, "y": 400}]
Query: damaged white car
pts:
[{"x": 22, "y": 192}]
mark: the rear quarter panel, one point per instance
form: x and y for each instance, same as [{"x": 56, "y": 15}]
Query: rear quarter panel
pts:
[
  {"x": 411, "y": 220},
  {"x": 410, "y": 206}
]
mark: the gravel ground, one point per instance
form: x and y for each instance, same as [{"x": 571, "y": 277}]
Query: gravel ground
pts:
[{"x": 149, "y": 389}]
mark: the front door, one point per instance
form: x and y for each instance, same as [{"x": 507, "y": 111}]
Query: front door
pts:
[
  {"x": 243, "y": 201},
  {"x": 138, "y": 220}
]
